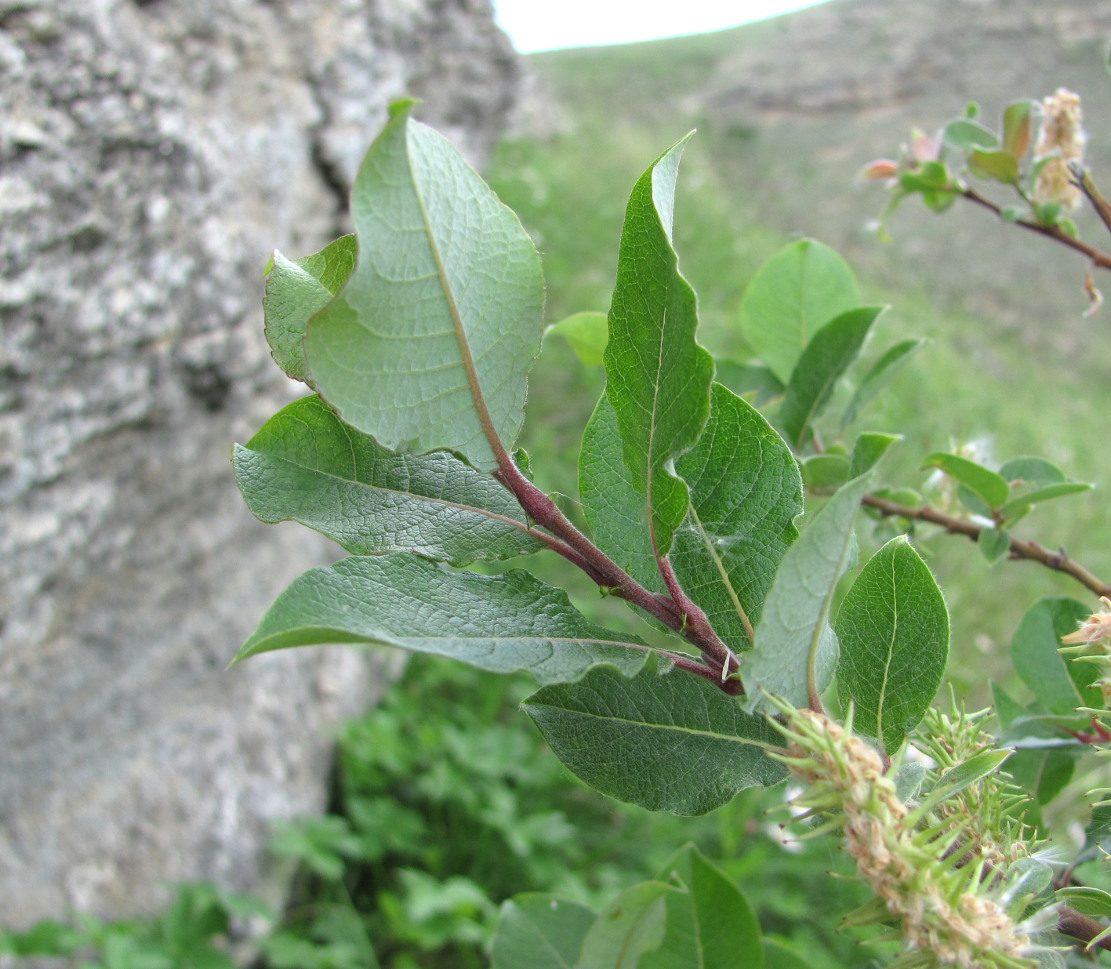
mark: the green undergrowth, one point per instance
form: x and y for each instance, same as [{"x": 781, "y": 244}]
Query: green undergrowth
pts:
[{"x": 446, "y": 802}]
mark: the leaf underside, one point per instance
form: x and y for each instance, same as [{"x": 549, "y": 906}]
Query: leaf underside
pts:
[
  {"x": 501, "y": 623},
  {"x": 429, "y": 343}
]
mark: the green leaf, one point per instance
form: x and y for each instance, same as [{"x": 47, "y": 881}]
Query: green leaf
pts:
[
  {"x": 1038, "y": 495},
  {"x": 994, "y": 543},
  {"x": 614, "y": 509},
  {"x": 1017, "y": 118},
  {"x": 880, "y": 374},
  {"x": 1031, "y": 470},
  {"x": 894, "y": 633},
  {"x": 749, "y": 378},
  {"x": 671, "y": 742},
  {"x": 540, "y": 932},
  {"x": 796, "y": 650},
  {"x": 428, "y": 344},
  {"x": 709, "y": 922},
  {"x": 791, "y": 297},
  {"x": 1000, "y": 165},
  {"x": 306, "y": 465},
  {"x": 993, "y": 489},
  {"x": 868, "y": 450},
  {"x": 966, "y": 135},
  {"x": 631, "y": 925},
  {"x": 832, "y": 351},
  {"x": 1043, "y": 772},
  {"x": 745, "y": 493},
  {"x": 587, "y": 333},
  {"x": 1059, "y": 685},
  {"x": 657, "y": 377},
  {"x": 825, "y": 472},
  {"x": 500, "y": 623},
  {"x": 295, "y": 290},
  {"x": 778, "y": 955},
  {"x": 1087, "y": 901}
]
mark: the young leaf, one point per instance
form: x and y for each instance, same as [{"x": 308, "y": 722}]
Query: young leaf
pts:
[
  {"x": 709, "y": 923},
  {"x": 894, "y": 633},
  {"x": 868, "y": 450},
  {"x": 1059, "y": 685},
  {"x": 825, "y": 472},
  {"x": 882, "y": 371},
  {"x": 305, "y": 464},
  {"x": 429, "y": 343},
  {"x": 1038, "y": 495},
  {"x": 540, "y": 932},
  {"x": 999, "y": 165},
  {"x": 1037, "y": 471},
  {"x": 994, "y": 543},
  {"x": 796, "y": 650},
  {"x": 965, "y": 135},
  {"x": 631, "y": 925},
  {"x": 791, "y": 297},
  {"x": 587, "y": 333},
  {"x": 295, "y": 290},
  {"x": 1016, "y": 128},
  {"x": 988, "y": 485},
  {"x": 657, "y": 377},
  {"x": 670, "y": 742},
  {"x": 500, "y": 623},
  {"x": 745, "y": 493},
  {"x": 832, "y": 351}
]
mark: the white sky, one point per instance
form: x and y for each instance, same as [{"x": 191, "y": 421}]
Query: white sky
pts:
[{"x": 536, "y": 25}]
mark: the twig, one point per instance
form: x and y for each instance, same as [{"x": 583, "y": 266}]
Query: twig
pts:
[
  {"x": 1029, "y": 551},
  {"x": 1098, "y": 258}
]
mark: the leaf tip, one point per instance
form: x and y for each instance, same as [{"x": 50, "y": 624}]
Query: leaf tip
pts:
[{"x": 402, "y": 107}]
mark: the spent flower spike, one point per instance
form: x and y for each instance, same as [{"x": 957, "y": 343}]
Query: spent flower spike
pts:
[
  {"x": 1091, "y": 643},
  {"x": 1061, "y": 140},
  {"x": 951, "y": 901}
]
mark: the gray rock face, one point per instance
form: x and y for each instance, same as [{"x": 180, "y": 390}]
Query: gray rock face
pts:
[{"x": 151, "y": 154}]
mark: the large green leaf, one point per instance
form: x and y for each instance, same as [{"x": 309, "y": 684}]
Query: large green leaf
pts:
[
  {"x": 826, "y": 358},
  {"x": 657, "y": 377},
  {"x": 745, "y": 493},
  {"x": 306, "y": 465},
  {"x": 796, "y": 648},
  {"x": 295, "y": 290},
  {"x": 540, "y": 932},
  {"x": 631, "y": 925},
  {"x": 1058, "y": 684},
  {"x": 670, "y": 742},
  {"x": 709, "y": 922},
  {"x": 429, "y": 343},
  {"x": 792, "y": 296},
  {"x": 500, "y": 623},
  {"x": 894, "y": 633}
]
